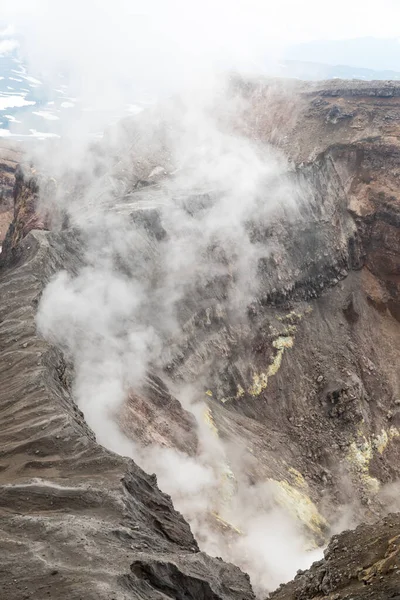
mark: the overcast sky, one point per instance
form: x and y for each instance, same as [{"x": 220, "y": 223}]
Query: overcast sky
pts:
[
  {"x": 288, "y": 20},
  {"x": 178, "y": 35}
]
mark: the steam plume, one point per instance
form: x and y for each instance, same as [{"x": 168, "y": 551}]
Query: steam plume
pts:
[{"x": 117, "y": 317}]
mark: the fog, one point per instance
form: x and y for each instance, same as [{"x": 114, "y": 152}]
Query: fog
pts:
[{"x": 118, "y": 315}]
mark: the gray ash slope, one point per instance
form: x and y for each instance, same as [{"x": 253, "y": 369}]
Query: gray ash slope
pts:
[{"x": 76, "y": 520}]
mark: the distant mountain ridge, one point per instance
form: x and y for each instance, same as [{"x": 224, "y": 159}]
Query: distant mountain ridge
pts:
[
  {"x": 314, "y": 71},
  {"x": 30, "y": 109}
]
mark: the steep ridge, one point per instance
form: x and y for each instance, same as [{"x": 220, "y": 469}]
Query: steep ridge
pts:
[{"x": 76, "y": 520}]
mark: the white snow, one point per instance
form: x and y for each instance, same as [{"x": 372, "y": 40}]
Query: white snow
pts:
[
  {"x": 33, "y": 134},
  {"x": 12, "y": 119},
  {"x": 14, "y": 102},
  {"x": 67, "y": 104},
  {"x": 46, "y": 115},
  {"x": 41, "y": 135},
  {"x": 14, "y": 79},
  {"x": 31, "y": 79}
]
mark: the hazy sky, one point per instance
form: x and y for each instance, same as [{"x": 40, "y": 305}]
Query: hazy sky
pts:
[
  {"x": 174, "y": 35},
  {"x": 284, "y": 20}
]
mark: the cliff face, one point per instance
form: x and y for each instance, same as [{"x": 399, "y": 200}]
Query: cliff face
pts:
[
  {"x": 308, "y": 383},
  {"x": 305, "y": 383}
]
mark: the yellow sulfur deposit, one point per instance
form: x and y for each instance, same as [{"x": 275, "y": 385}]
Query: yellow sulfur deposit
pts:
[
  {"x": 226, "y": 524},
  {"x": 362, "y": 451},
  {"x": 298, "y": 478},
  {"x": 260, "y": 381},
  {"x": 209, "y": 419},
  {"x": 300, "y": 506}
]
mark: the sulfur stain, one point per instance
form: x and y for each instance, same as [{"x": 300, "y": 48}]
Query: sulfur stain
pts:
[
  {"x": 381, "y": 441},
  {"x": 293, "y": 498},
  {"x": 299, "y": 504},
  {"x": 227, "y": 524},
  {"x": 209, "y": 419},
  {"x": 361, "y": 452},
  {"x": 284, "y": 340},
  {"x": 298, "y": 478},
  {"x": 240, "y": 391},
  {"x": 227, "y": 480},
  {"x": 260, "y": 381},
  {"x": 383, "y": 566}
]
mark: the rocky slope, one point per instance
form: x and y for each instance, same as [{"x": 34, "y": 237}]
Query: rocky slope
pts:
[
  {"x": 361, "y": 564},
  {"x": 78, "y": 521},
  {"x": 306, "y": 383},
  {"x": 322, "y": 338}
]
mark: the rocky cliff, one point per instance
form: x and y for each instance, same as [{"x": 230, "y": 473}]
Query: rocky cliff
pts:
[{"x": 305, "y": 383}]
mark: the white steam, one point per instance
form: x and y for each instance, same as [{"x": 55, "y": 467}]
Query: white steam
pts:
[
  {"x": 117, "y": 317},
  {"x": 118, "y": 324}
]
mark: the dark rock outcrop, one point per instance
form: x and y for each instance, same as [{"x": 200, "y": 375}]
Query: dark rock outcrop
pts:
[
  {"x": 26, "y": 214},
  {"x": 363, "y": 564}
]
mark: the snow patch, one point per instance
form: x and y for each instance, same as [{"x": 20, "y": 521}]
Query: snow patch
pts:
[
  {"x": 67, "y": 104},
  {"x": 46, "y": 115},
  {"x": 12, "y": 119},
  {"x": 40, "y": 135},
  {"x": 14, "y": 102},
  {"x": 31, "y": 79}
]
